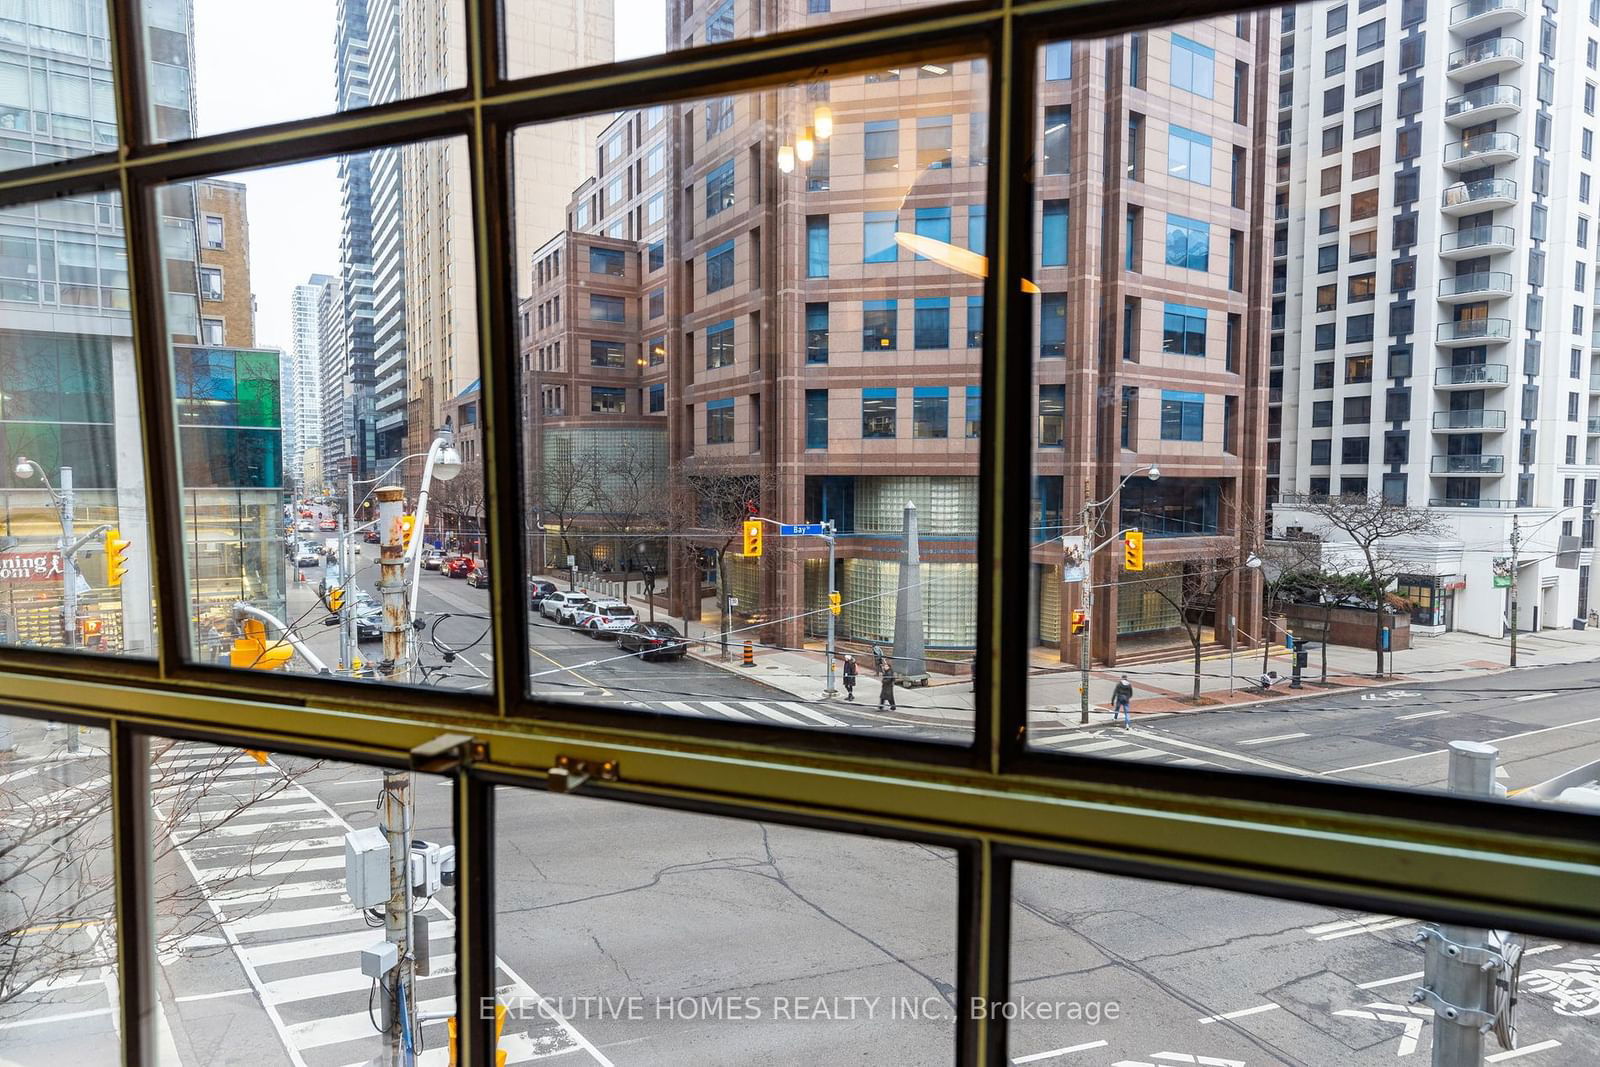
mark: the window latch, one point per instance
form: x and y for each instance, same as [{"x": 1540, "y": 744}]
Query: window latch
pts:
[
  {"x": 447, "y": 753},
  {"x": 570, "y": 773}
]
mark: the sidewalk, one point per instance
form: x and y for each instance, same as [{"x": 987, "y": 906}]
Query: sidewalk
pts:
[{"x": 1163, "y": 687}]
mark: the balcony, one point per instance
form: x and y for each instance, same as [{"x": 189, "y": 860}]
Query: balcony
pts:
[
  {"x": 1475, "y": 16},
  {"x": 1473, "y": 332},
  {"x": 1486, "y": 194},
  {"x": 1484, "y": 150},
  {"x": 1485, "y": 465},
  {"x": 1470, "y": 502},
  {"x": 1483, "y": 105},
  {"x": 1479, "y": 285},
  {"x": 1594, "y": 424},
  {"x": 1477, "y": 241},
  {"x": 1472, "y": 376},
  {"x": 1594, "y": 382},
  {"x": 1475, "y": 420},
  {"x": 1494, "y": 56}
]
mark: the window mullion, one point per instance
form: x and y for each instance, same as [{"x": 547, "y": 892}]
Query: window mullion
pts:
[
  {"x": 475, "y": 916},
  {"x": 134, "y": 898}
]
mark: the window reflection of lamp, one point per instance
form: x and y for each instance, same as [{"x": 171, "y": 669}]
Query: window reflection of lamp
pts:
[{"x": 961, "y": 260}]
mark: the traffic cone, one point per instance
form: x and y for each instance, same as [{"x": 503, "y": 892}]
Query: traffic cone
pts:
[{"x": 749, "y": 654}]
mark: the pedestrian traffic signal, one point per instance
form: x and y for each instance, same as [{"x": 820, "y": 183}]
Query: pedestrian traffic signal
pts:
[
  {"x": 253, "y": 651},
  {"x": 1080, "y": 622},
  {"x": 336, "y": 598},
  {"x": 408, "y": 526},
  {"x": 1133, "y": 550},
  {"x": 116, "y": 557},
  {"x": 752, "y": 537},
  {"x": 835, "y": 603}
]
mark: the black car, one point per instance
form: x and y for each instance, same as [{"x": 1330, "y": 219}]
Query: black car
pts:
[
  {"x": 653, "y": 640},
  {"x": 369, "y": 625},
  {"x": 538, "y": 590}
]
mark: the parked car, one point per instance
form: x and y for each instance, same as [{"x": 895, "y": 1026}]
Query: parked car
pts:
[
  {"x": 432, "y": 559},
  {"x": 307, "y": 555},
  {"x": 329, "y": 524},
  {"x": 479, "y": 578},
  {"x": 605, "y": 618},
  {"x": 369, "y": 621},
  {"x": 332, "y": 578},
  {"x": 652, "y": 640},
  {"x": 560, "y": 606},
  {"x": 538, "y": 589},
  {"x": 458, "y": 566},
  {"x": 304, "y": 526},
  {"x": 305, "y": 513}
]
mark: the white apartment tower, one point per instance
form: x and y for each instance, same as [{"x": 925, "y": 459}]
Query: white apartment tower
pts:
[
  {"x": 1433, "y": 297},
  {"x": 305, "y": 354},
  {"x": 338, "y": 391}
]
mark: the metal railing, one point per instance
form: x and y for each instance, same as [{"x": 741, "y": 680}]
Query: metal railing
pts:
[
  {"x": 1474, "y": 464},
  {"x": 1473, "y": 374},
  {"x": 1494, "y": 48},
  {"x": 1482, "y": 189},
  {"x": 1481, "y": 281},
  {"x": 1477, "y": 8},
  {"x": 1487, "y": 96},
  {"x": 1483, "y": 144},
  {"x": 1474, "y": 330},
  {"x": 1473, "y": 419},
  {"x": 1477, "y": 237},
  {"x": 1470, "y": 502}
]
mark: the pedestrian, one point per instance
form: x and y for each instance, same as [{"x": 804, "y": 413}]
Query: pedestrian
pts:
[
  {"x": 877, "y": 658},
  {"x": 886, "y": 689},
  {"x": 849, "y": 677},
  {"x": 1122, "y": 697}
]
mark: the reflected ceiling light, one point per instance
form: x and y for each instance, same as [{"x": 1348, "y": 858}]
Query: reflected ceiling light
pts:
[
  {"x": 934, "y": 68},
  {"x": 804, "y": 147},
  {"x": 822, "y": 121},
  {"x": 785, "y": 159}
]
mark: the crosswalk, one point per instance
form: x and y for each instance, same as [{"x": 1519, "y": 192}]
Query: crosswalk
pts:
[
  {"x": 1106, "y": 743},
  {"x": 269, "y": 857},
  {"x": 779, "y": 712}
]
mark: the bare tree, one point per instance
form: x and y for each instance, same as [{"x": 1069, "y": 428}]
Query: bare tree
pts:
[
  {"x": 568, "y": 487},
  {"x": 461, "y": 498},
  {"x": 1372, "y": 524},
  {"x": 1202, "y": 580},
  {"x": 631, "y": 500},
  {"x": 1283, "y": 562},
  {"x": 57, "y": 885},
  {"x": 710, "y": 504}
]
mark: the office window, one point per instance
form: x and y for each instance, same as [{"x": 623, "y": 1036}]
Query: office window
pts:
[
  {"x": 877, "y": 413},
  {"x": 719, "y": 116},
  {"x": 932, "y": 223},
  {"x": 881, "y": 146},
  {"x": 1057, "y": 140},
  {"x": 1052, "y": 415},
  {"x": 930, "y": 411},
  {"x": 877, "y": 237},
  {"x": 656, "y": 348},
  {"x": 607, "y": 354},
  {"x": 1188, "y": 155},
  {"x": 817, "y": 332},
  {"x": 1128, "y": 416},
  {"x": 604, "y": 308},
  {"x": 1193, "y": 67},
  {"x": 1136, "y": 47},
  {"x": 933, "y": 142},
  {"x": 719, "y": 23},
  {"x": 657, "y": 255},
  {"x": 1183, "y": 330},
  {"x": 974, "y": 412},
  {"x": 1053, "y": 239},
  {"x": 607, "y": 400},
  {"x": 1188, "y": 243},
  {"x": 1135, "y": 161},
  {"x": 931, "y": 322},
  {"x": 1369, "y": 37},
  {"x": 1183, "y": 416},
  {"x": 977, "y": 228},
  {"x": 1053, "y": 325},
  {"x": 719, "y": 344},
  {"x": 719, "y": 267},
  {"x": 816, "y": 418},
  {"x": 658, "y": 399},
  {"x": 879, "y": 330},
  {"x": 1133, "y": 233},
  {"x": 719, "y": 189},
  {"x": 975, "y": 322},
  {"x": 1058, "y": 61},
  {"x": 719, "y": 421}
]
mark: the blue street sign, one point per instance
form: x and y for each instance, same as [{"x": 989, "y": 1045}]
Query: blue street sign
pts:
[{"x": 814, "y": 529}]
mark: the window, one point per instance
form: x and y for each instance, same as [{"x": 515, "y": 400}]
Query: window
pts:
[
  {"x": 1193, "y": 67},
  {"x": 719, "y": 344},
  {"x": 719, "y": 189},
  {"x": 817, "y": 332},
  {"x": 719, "y": 267},
  {"x": 1369, "y": 79},
  {"x": 1136, "y": 45},
  {"x": 210, "y": 282},
  {"x": 719, "y": 421},
  {"x": 1057, "y": 140},
  {"x": 719, "y": 23},
  {"x": 1322, "y": 376},
  {"x": 1133, "y": 228},
  {"x": 816, "y": 246},
  {"x": 719, "y": 116},
  {"x": 1364, "y": 164},
  {"x": 1332, "y": 100},
  {"x": 1354, "y": 450},
  {"x": 1366, "y": 121},
  {"x": 1188, "y": 243},
  {"x": 1053, "y": 240},
  {"x": 1369, "y": 37},
  {"x": 1052, "y": 415},
  {"x": 1363, "y": 246},
  {"x": 1412, "y": 52},
  {"x": 1183, "y": 416},
  {"x": 877, "y": 237},
  {"x": 1189, "y": 155},
  {"x": 1586, "y": 144},
  {"x": 604, "y": 308},
  {"x": 974, "y": 413},
  {"x": 211, "y": 331},
  {"x": 816, "y": 418},
  {"x": 658, "y": 399},
  {"x": 1323, "y": 336},
  {"x": 1363, "y": 205},
  {"x": 1332, "y": 140},
  {"x": 1183, "y": 330},
  {"x": 607, "y": 400},
  {"x": 1357, "y": 409},
  {"x": 977, "y": 228},
  {"x": 1321, "y": 452},
  {"x": 1322, "y": 413},
  {"x": 930, "y": 411},
  {"x": 933, "y": 142},
  {"x": 657, "y": 349},
  {"x": 1330, "y": 179},
  {"x": 975, "y": 322},
  {"x": 608, "y": 354},
  {"x": 1337, "y": 19},
  {"x": 1327, "y": 258},
  {"x": 1358, "y": 328},
  {"x": 657, "y": 255},
  {"x": 657, "y": 301},
  {"x": 931, "y": 322},
  {"x": 213, "y": 225},
  {"x": 1128, "y": 416},
  {"x": 1328, "y": 297},
  {"x": 1357, "y": 369},
  {"x": 932, "y": 223},
  {"x": 878, "y": 327},
  {"x": 877, "y": 413},
  {"x": 1333, "y": 62},
  {"x": 1135, "y": 162},
  {"x": 1053, "y": 325},
  {"x": 881, "y": 146},
  {"x": 1058, "y": 61}
]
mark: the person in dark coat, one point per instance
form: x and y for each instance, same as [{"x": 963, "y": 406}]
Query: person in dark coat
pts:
[
  {"x": 886, "y": 690},
  {"x": 849, "y": 677},
  {"x": 1122, "y": 698}
]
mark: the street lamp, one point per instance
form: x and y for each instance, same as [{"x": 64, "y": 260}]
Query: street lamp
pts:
[{"x": 1091, "y": 527}]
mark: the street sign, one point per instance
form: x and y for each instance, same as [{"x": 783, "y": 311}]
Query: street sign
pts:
[
  {"x": 801, "y": 529},
  {"x": 572, "y": 561}
]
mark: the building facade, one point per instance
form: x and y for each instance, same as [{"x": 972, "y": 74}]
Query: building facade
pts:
[
  {"x": 305, "y": 354},
  {"x": 353, "y": 88},
  {"x": 228, "y": 306},
  {"x": 338, "y": 384},
  {"x": 1433, "y": 303}
]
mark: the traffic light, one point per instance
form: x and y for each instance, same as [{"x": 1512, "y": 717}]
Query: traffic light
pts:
[
  {"x": 835, "y": 603},
  {"x": 499, "y": 1026},
  {"x": 336, "y": 598},
  {"x": 253, "y": 651},
  {"x": 752, "y": 537},
  {"x": 116, "y": 557},
  {"x": 1133, "y": 550},
  {"x": 1080, "y": 622},
  {"x": 408, "y": 526}
]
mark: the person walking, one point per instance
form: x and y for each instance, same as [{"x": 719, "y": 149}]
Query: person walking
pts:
[
  {"x": 886, "y": 689},
  {"x": 1122, "y": 697},
  {"x": 877, "y": 658},
  {"x": 850, "y": 678}
]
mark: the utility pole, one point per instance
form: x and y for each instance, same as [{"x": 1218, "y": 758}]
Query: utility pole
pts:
[
  {"x": 397, "y": 785},
  {"x": 832, "y": 531},
  {"x": 69, "y": 567},
  {"x": 1516, "y": 537},
  {"x": 1088, "y": 601}
]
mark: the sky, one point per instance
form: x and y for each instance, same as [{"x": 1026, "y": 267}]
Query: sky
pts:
[{"x": 255, "y": 65}]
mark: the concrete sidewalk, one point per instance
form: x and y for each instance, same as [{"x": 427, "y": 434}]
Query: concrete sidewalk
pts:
[{"x": 1160, "y": 687}]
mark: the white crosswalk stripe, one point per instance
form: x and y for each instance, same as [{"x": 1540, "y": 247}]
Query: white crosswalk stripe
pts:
[
  {"x": 785, "y": 712},
  {"x": 1080, "y": 742}
]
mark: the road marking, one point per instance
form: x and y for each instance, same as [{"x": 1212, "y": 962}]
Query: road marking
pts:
[
  {"x": 1442, "y": 751},
  {"x": 1060, "y": 1052},
  {"x": 1345, "y": 924},
  {"x": 329, "y": 945},
  {"x": 1412, "y": 977},
  {"x": 1533, "y": 696},
  {"x": 291, "y": 920},
  {"x": 723, "y": 709},
  {"x": 1100, "y": 746},
  {"x": 1270, "y": 740},
  {"x": 1528, "y": 1050},
  {"x": 772, "y": 713},
  {"x": 681, "y": 708},
  {"x": 62, "y": 1018},
  {"x": 212, "y": 996},
  {"x": 1369, "y": 929},
  {"x": 1421, "y": 715},
  {"x": 1240, "y": 1014},
  {"x": 810, "y": 713},
  {"x": 1542, "y": 948},
  {"x": 1168, "y": 739}
]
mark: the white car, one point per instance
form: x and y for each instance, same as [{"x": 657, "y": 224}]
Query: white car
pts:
[
  {"x": 562, "y": 606},
  {"x": 307, "y": 555},
  {"x": 305, "y": 526},
  {"x": 605, "y": 618},
  {"x": 432, "y": 559}
]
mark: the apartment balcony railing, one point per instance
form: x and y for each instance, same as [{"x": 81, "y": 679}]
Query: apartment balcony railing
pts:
[
  {"x": 1594, "y": 382},
  {"x": 1594, "y": 424},
  {"x": 1483, "y": 194},
  {"x": 1483, "y": 104},
  {"x": 1477, "y": 241},
  {"x": 1473, "y": 419},
  {"x": 1472, "y": 376},
  {"x": 1473, "y": 464},
  {"x": 1486, "y": 57},
  {"x": 1470, "y": 502},
  {"x": 1473, "y": 331},
  {"x": 1484, "y": 150},
  {"x": 1479, "y": 285},
  {"x": 1477, "y": 15}
]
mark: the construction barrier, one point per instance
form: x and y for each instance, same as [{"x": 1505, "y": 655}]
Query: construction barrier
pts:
[{"x": 749, "y": 654}]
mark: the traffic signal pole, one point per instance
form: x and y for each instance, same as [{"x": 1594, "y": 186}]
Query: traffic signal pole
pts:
[{"x": 829, "y": 537}]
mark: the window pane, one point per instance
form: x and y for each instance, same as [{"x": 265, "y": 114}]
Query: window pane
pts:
[
  {"x": 822, "y": 341},
  {"x": 345, "y": 371},
  {"x": 71, "y": 111},
  {"x": 223, "y": 67},
  {"x": 74, "y": 559}
]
